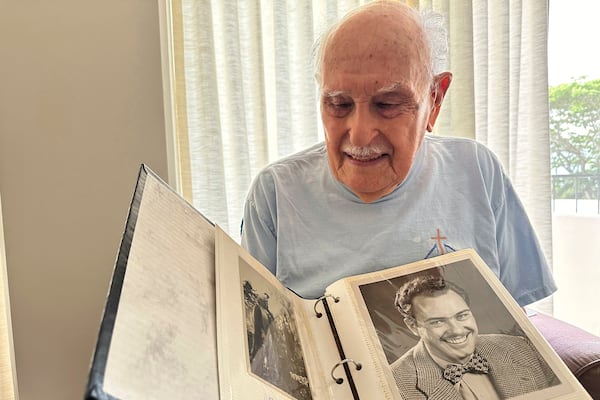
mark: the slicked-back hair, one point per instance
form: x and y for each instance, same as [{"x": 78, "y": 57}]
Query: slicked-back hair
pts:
[{"x": 423, "y": 285}]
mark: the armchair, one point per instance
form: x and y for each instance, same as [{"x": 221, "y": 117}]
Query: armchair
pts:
[{"x": 579, "y": 349}]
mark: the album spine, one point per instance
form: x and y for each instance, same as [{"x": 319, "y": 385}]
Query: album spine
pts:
[{"x": 344, "y": 362}]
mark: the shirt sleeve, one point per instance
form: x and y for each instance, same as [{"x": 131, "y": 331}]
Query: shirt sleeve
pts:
[
  {"x": 258, "y": 234},
  {"x": 523, "y": 268}
]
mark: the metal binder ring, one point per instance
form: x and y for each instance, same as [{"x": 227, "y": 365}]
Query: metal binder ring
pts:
[
  {"x": 339, "y": 381},
  {"x": 319, "y": 314}
]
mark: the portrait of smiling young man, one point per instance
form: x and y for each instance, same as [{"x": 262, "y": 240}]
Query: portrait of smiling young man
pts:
[
  {"x": 446, "y": 326},
  {"x": 452, "y": 360},
  {"x": 379, "y": 191}
]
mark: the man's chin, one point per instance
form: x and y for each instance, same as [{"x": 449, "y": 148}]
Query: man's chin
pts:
[
  {"x": 368, "y": 190},
  {"x": 369, "y": 196},
  {"x": 461, "y": 356}
]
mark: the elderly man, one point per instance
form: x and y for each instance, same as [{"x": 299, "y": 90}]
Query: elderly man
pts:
[
  {"x": 380, "y": 192},
  {"x": 451, "y": 360}
]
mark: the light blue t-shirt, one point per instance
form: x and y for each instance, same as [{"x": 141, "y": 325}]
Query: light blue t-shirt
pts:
[{"x": 310, "y": 230}]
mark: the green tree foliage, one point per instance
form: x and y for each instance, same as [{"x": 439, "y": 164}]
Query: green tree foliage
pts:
[{"x": 575, "y": 137}]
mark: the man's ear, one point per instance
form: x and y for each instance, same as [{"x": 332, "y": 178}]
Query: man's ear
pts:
[
  {"x": 411, "y": 324},
  {"x": 441, "y": 83}
]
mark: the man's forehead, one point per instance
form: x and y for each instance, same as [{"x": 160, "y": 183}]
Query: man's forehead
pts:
[
  {"x": 377, "y": 24},
  {"x": 380, "y": 31},
  {"x": 448, "y": 302},
  {"x": 374, "y": 89}
]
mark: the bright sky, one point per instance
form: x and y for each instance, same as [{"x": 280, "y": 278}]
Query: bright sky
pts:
[{"x": 573, "y": 48}]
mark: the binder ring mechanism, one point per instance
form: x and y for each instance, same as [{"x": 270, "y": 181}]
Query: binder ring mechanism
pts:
[
  {"x": 339, "y": 381},
  {"x": 320, "y": 299}
]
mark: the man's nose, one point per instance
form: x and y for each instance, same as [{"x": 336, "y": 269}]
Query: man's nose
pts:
[
  {"x": 362, "y": 125},
  {"x": 454, "y": 325}
]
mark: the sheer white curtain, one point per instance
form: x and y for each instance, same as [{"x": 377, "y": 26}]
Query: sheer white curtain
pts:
[{"x": 245, "y": 94}]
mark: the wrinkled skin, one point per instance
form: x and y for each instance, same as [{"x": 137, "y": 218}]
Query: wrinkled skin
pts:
[{"x": 377, "y": 98}]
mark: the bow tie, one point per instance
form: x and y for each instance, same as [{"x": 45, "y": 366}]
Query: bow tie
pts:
[{"x": 477, "y": 364}]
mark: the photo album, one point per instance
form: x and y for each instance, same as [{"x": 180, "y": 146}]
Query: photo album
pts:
[{"x": 191, "y": 314}]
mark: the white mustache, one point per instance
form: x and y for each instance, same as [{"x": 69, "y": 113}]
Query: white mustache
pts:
[{"x": 365, "y": 152}]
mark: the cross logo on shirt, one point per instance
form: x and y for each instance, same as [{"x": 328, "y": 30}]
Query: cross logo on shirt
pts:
[{"x": 439, "y": 245}]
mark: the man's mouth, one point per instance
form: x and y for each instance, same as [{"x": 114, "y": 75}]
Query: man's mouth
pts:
[
  {"x": 365, "y": 157},
  {"x": 457, "y": 339},
  {"x": 365, "y": 154}
]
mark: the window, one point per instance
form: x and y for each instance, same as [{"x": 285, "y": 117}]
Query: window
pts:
[{"x": 574, "y": 79}]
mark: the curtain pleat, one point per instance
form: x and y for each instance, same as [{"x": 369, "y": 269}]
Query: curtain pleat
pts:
[
  {"x": 532, "y": 154},
  {"x": 498, "y": 80},
  {"x": 480, "y": 69},
  {"x": 203, "y": 109},
  {"x": 462, "y": 104},
  {"x": 181, "y": 138},
  {"x": 234, "y": 101},
  {"x": 252, "y": 105}
]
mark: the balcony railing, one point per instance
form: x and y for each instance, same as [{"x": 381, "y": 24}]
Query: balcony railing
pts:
[{"x": 579, "y": 193}]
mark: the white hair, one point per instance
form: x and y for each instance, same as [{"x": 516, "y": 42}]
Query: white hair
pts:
[
  {"x": 432, "y": 23},
  {"x": 434, "y": 26}
]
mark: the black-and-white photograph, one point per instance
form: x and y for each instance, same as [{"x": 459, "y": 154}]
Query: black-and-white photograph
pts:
[
  {"x": 274, "y": 349},
  {"x": 446, "y": 334}
]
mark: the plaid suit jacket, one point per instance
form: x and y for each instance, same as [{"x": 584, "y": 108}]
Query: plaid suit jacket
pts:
[{"x": 516, "y": 368}]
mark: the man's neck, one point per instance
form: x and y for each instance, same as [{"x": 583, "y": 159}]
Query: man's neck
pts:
[{"x": 442, "y": 362}]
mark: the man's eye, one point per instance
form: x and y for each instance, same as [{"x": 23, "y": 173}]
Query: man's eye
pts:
[
  {"x": 341, "y": 105},
  {"x": 394, "y": 107},
  {"x": 463, "y": 316},
  {"x": 436, "y": 323},
  {"x": 386, "y": 106},
  {"x": 388, "y": 109},
  {"x": 338, "y": 108}
]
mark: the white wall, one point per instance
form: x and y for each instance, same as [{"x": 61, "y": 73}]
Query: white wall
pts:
[
  {"x": 80, "y": 109},
  {"x": 576, "y": 260}
]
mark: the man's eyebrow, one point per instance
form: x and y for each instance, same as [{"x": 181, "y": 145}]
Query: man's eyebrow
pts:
[
  {"x": 334, "y": 93},
  {"x": 445, "y": 318},
  {"x": 394, "y": 87},
  {"x": 463, "y": 311}
]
